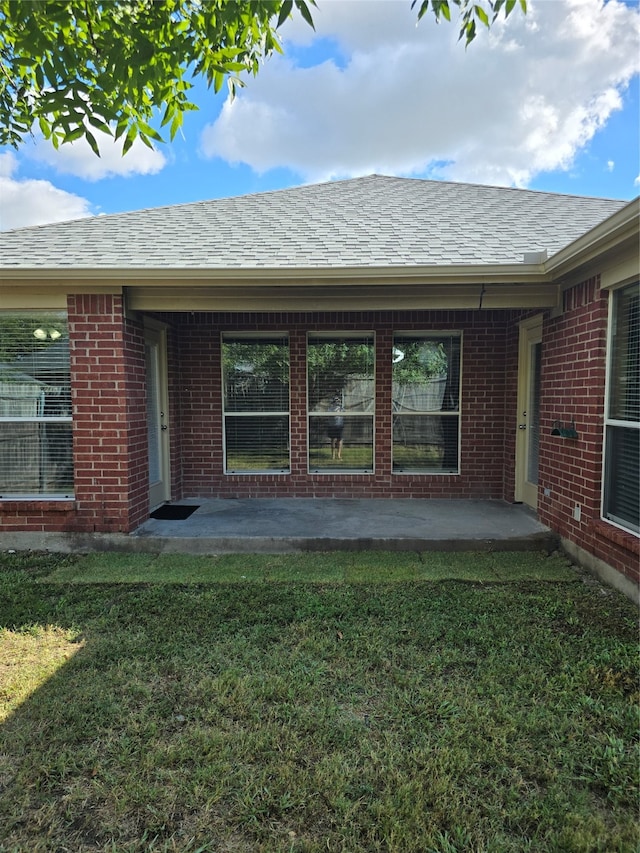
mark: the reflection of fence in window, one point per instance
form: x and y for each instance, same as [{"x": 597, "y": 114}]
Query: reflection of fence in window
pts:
[
  {"x": 256, "y": 404},
  {"x": 426, "y": 379},
  {"x": 341, "y": 387},
  {"x": 36, "y": 459},
  {"x": 36, "y": 449}
]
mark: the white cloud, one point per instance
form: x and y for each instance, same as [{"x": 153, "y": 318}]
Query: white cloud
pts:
[
  {"x": 524, "y": 98},
  {"x": 77, "y": 158},
  {"x": 34, "y": 202},
  {"x": 610, "y": 165},
  {"x": 8, "y": 164}
]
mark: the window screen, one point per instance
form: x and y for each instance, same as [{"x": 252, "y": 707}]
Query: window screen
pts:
[
  {"x": 36, "y": 450},
  {"x": 256, "y": 404},
  {"x": 426, "y": 403},
  {"x": 621, "y": 502},
  {"x": 341, "y": 389}
]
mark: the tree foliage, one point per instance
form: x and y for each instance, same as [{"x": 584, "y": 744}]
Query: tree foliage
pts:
[
  {"x": 471, "y": 12},
  {"x": 418, "y": 361},
  {"x": 69, "y": 67},
  {"x": 23, "y": 334},
  {"x": 331, "y": 364},
  {"x": 126, "y": 67}
]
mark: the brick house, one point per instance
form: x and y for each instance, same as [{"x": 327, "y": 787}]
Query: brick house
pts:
[{"x": 473, "y": 342}]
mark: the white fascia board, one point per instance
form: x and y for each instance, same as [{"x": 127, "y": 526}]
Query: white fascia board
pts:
[
  {"x": 607, "y": 237},
  {"x": 279, "y": 276}
]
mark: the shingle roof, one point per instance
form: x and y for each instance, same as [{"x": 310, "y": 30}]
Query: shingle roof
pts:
[{"x": 374, "y": 221}]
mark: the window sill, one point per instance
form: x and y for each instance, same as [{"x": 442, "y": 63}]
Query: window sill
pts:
[
  {"x": 51, "y": 504},
  {"x": 628, "y": 541}
]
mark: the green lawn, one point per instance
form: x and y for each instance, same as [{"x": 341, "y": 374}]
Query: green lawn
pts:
[{"x": 399, "y": 702}]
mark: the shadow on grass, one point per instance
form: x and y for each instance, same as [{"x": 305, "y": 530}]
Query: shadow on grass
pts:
[
  {"x": 330, "y": 567},
  {"x": 253, "y": 716}
]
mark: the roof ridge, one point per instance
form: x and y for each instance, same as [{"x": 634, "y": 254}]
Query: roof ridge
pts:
[{"x": 314, "y": 186}]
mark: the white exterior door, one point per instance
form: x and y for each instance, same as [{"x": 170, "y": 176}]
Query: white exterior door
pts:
[{"x": 528, "y": 421}]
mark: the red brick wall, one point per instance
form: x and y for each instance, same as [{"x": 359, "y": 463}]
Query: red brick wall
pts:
[
  {"x": 136, "y": 485},
  {"x": 110, "y": 450},
  {"x": 109, "y": 415},
  {"x": 483, "y": 406},
  {"x": 109, "y": 427},
  {"x": 573, "y": 379},
  {"x": 110, "y": 437}
]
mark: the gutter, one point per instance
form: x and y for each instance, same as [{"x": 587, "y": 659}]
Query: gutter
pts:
[
  {"x": 529, "y": 273},
  {"x": 620, "y": 228}
]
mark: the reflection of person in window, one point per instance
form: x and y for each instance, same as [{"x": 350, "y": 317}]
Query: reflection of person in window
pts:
[{"x": 336, "y": 428}]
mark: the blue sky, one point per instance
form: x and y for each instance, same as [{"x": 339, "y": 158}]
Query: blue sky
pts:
[{"x": 548, "y": 101}]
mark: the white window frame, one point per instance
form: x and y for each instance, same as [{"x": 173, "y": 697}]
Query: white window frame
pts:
[
  {"x": 344, "y": 335},
  {"x": 252, "y": 336},
  {"x": 428, "y": 335},
  {"x": 41, "y": 419},
  {"x": 613, "y": 423}
]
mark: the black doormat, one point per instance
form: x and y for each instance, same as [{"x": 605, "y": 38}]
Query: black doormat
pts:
[{"x": 174, "y": 512}]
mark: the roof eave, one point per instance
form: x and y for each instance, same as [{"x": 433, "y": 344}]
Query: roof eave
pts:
[
  {"x": 615, "y": 232},
  {"x": 284, "y": 276}
]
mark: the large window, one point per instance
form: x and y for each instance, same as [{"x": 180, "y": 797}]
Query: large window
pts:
[
  {"x": 341, "y": 389},
  {"x": 426, "y": 403},
  {"x": 36, "y": 451},
  {"x": 621, "y": 497},
  {"x": 256, "y": 403}
]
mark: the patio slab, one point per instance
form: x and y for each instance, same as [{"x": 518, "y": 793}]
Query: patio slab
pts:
[{"x": 285, "y": 525}]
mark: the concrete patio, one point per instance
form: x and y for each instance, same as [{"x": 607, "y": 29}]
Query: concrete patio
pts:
[{"x": 296, "y": 525}]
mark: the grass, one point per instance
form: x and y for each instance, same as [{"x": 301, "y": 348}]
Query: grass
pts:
[
  {"x": 400, "y": 702},
  {"x": 334, "y": 567}
]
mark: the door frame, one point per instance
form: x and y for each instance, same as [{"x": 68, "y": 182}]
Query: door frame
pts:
[
  {"x": 155, "y": 336},
  {"x": 530, "y": 336}
]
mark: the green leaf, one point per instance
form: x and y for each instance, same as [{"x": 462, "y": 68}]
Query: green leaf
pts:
[
  {"x": 72, "y": 135},
  {"x": 145, "y": 139},
  {"x": 481, "y": 15},
  {"x": 469, "y": 32},
  {"x": 92, "y": 142},
  {"x": 99, "y": 124},
  {"x": 285, "y": 11},
  {"x": 24, "y": 61},
  {"x": 176, "y": 124},
  {"x": 150, "y": 132},
  {"x": 302, "y": 7},
  {"x": 441, "y": 7},
  {"x": 129, "y": 139},
  {"x": 424, "y": 8}
]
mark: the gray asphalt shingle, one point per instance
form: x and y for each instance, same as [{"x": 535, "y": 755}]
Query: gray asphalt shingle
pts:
[{"x": 374, "y": 221}]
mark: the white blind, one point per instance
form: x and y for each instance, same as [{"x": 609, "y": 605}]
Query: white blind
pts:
[
  {"x": 36, "y": 452},
  {"x": 622, "y": 460}
]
